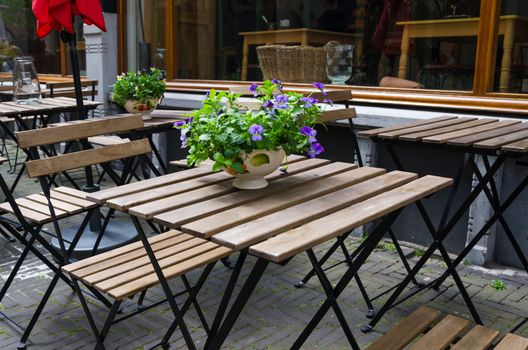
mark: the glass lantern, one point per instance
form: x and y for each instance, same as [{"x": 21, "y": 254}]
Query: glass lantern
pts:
[{"x": 26, "y": 87}]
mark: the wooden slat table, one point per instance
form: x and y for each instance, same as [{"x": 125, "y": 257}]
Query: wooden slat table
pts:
[
  {"x": 313, "y": 202},
  {"x": 485, "y": 137}
]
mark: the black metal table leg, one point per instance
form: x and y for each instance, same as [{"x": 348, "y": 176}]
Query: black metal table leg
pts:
[
  {"x": 238, "y": 305},
  {"x": 370, "y": 244}
]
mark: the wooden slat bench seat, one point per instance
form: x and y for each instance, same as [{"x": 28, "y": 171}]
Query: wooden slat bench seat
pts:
[
  {"x": 126, "y": 271},
  {"x": 420, "y": 330},
  {"x": 35, "y": 207}
]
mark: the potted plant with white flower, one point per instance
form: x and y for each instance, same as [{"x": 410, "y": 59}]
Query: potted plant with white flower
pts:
[
  {"x": 139, "y": 92},
  {"x": 251, "y": 144}
]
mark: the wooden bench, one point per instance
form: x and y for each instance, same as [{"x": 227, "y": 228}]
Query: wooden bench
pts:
[{"x": 423, "y": 329}]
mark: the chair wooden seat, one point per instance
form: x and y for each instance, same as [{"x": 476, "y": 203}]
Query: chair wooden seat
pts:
[
  {"x": 126, "y": 271},
  {"x": 419, "y": 331},
  {"x": 66, "y": 202}
]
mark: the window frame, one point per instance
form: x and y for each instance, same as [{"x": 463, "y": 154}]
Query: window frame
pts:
[{"x": 480, "y": 98}]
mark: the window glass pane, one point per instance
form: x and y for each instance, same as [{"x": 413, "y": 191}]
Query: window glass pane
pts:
[
  {"x": 146, "y": 34},
  {"x": 511, "y": 73},
  {"x": 429, "y": 43},
  {"x": 17, "y": 37}
]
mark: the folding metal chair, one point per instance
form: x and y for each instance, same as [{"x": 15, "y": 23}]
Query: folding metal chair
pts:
[{"x": 52, "y": 205}]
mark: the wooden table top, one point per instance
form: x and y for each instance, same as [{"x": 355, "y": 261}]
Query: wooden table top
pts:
[
  {"x": 312, "y": 192},
  {"x": 44, "y": 106},
  {"x": 482, "y": 133}
]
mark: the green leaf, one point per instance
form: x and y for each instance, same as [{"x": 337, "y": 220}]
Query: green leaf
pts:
[
  {"x": 204, "y": 137},
  {"x": 236, "y": 166},
  {"x": 218, "y": 157},
  {"x": 259, "y": 159},
  {"x": 217, "y": 166}
]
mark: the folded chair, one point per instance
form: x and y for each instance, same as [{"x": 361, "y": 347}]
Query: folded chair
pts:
[
  {"x": 54, "y": 204},
  {"x": 424, "y": 329}
]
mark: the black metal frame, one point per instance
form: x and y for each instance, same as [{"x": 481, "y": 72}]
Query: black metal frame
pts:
[
  {"x": 445, "y": 226},
  {"x": 191, "y": 300},
  {"x": 225, "y": 320},
  {"x": 61, "y": 256}
]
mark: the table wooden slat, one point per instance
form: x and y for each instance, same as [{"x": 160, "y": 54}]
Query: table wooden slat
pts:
[
  {"x": 297, "y": 240},
  {"x": 431, "y": 126},
  {"x": 123, "y": 203},
  {"x": 519, "y": 146},
  {"x": 177, "y": 217},
  {"x": 443, "y": 138},
  {"x": 150, "y": 209},
  {"x": 471, "y": 139},
  {"x": 101, "y": 197},
  {"x": 267, "y": 226},
  {"x": 452, "y": 128},
  {"x": 377, "y": 131},
  {"x": 497, "y": 142},
  {"x": 213, "y": 224}
]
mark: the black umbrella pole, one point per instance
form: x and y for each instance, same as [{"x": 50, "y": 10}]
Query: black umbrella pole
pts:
[{"x": 69, "y": 39}]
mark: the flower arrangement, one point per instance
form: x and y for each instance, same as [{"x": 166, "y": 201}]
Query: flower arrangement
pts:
[
  {"x": 223, "y": 131},
  {"x": 144, "y": 89}
]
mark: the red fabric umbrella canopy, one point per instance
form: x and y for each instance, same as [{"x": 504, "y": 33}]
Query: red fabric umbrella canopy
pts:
[{"x": 58, "y": 14}]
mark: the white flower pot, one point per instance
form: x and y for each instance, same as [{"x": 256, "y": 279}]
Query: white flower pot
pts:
[
  {"x": 257, "y": 164},
  {"x": 133, "y": 106}
]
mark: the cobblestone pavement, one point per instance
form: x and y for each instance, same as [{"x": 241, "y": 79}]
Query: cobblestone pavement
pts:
[{"x": 275, "y": 314}]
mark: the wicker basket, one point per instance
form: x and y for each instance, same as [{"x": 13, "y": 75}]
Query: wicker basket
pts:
[{"x": 295, "y": 64}]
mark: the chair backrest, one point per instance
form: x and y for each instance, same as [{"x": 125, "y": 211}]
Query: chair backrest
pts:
[
  {"x": 337, "y": 96},
  {"x": 81, "y": 130},
  {"x": 338, "y": 114}
]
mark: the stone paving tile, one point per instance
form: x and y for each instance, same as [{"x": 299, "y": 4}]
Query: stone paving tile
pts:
[{"x": 275, "y": 314}]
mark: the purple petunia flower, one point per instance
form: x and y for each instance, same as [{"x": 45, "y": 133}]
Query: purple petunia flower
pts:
[
  {"x": 281, "y": 98},
  {"x": 315, "y": 149},
  {"x": 309, "y": 132},
  {"x": 330, "y": 102},
  {"x": 183, "y": 138},
  {"x": 319, "y": 86},
  {"x": 256, "y": 132},
  {"x": 282, "y": 101},
  {"x": 253, "y": 88},
  {"x": 179, "y": 123},
  {"x": 309, "y": 101},
  {"x": 268, "y": 104}
]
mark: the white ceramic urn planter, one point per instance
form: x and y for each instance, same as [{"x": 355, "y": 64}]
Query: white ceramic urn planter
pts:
[{"x": 257, "y": 164}]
